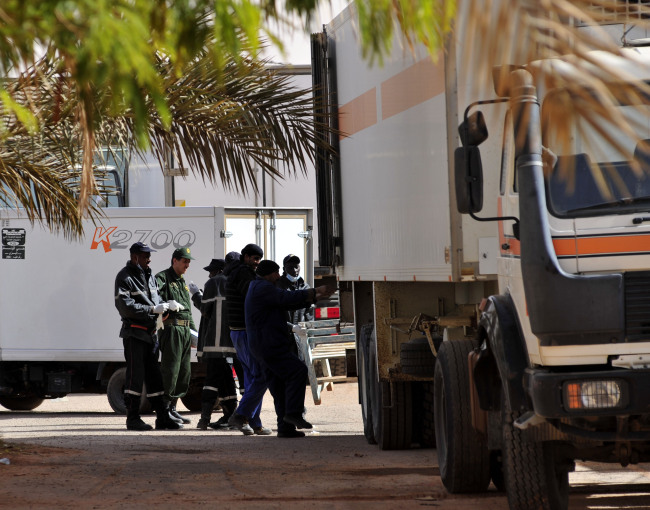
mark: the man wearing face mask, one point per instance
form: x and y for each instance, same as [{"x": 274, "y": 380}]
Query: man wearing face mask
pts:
[{"x": 291, "y": 280}]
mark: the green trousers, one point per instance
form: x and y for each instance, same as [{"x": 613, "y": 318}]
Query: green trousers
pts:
[{"x": 176, "y": 350}]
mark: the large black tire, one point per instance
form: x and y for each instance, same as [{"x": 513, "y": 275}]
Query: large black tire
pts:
[
  {"x": 115, "y": 393},
  {"x": 393, "y": 419},
  {"x": 26, "y": 403},
  {"x": 535, "y": 476},
  {"x": 463, "y": 457},
  {"x": 416, "y": 358},
  {"x": 364, "y": 373},
  {"x": 192, "y": 399},
  {"x": 423, "y": 424}
]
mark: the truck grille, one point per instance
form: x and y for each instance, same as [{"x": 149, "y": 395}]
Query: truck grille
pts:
[{"x": 637, "y": 306}]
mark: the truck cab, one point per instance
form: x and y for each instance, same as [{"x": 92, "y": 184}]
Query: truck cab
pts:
[{"x": 559, "y": 366}]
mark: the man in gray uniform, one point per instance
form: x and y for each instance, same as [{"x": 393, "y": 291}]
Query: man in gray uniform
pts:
[{"x": 139, "y": 305}]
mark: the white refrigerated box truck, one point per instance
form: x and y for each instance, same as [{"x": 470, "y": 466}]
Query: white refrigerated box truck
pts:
[
  {"x": 517, "y": 344},
  {"x": 58, "y": 323}
]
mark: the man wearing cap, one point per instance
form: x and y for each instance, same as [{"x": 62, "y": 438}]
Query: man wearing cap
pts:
[
  {"x": 240, "y": 275},
  {"x": 176, "y": 337},
  {"x": 214, "y": 346},
  {"x": 266, "y": 324},
  {"x": 291, "y": 280},
  {"x": 139, "y": 304}
]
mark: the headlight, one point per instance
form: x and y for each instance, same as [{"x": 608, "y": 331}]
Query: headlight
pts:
[{"x": 601, "y": 394}]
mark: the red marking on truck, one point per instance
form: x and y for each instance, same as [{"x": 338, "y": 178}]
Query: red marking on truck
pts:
[
  {"x": 101, "y": 235},
  {"x": 328, "y": 313}
]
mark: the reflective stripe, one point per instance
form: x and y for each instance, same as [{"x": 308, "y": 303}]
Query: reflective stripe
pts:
[
  {"x": 217, "y": 329},
  {"x": 213, "y": 348},
  {"x": 203, "y": 301},
  {"x": 157, "y": 394},
  {"x": 137, "y": 293},
  {"x": 211, "y": 388},
  {"x": 131, "y": 392}
]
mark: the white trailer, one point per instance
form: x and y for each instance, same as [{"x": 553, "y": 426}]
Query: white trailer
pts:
[
  {"x": 407, "y": 262},
  {"x": 58, "y": 322},
  {"x": 522, "y": 341}
]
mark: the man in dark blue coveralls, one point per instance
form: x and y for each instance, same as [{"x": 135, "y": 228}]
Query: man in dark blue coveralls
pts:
[
  {"x": 266, "y": 326},
  {"x": 240, "y": 275}
]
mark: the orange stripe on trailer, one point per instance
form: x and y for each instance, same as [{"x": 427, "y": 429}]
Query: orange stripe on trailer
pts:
[
  {"x": 358, "y": 114},
  {"x": 417, "y": 84}
]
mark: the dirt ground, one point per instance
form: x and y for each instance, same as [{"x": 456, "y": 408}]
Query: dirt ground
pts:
[{"x": 76, "y": 453}]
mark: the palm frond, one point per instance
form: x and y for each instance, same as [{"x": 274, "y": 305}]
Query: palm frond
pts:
[{"x": 227, "y": 123}]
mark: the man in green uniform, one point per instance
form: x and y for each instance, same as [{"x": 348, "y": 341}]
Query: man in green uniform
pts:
[{"x": 176, "y": 337}]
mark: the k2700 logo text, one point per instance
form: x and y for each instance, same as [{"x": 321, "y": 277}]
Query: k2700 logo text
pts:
[{"x": 112, "y": 238}]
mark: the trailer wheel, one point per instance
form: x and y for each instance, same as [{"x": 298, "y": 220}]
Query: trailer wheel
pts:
[
  {"x": 423, "y": 424},
  {"x": 416, "y": 357},
  {"x": 393, "y": 416},
  {"x": 463, "y": 457},
  {"x": 364, "y": 372},
  {"x": 535, "y": 475},
  {"x": 115, "y": 393},
  {"x": 26, "y": 403}
]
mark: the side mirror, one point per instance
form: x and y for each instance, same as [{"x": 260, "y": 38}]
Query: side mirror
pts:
[
  {"x": 468, "y": 174},
  {"x": 468, "y": 170}
]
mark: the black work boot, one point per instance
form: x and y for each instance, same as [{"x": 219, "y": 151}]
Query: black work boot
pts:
[
  {"x": 206, "y": 414},
  {"x": 164, "y": 421},
  {"x": 176, "y": 415},
  {"x": 228, "y": 407},
  {"x": 133, "y": 420}
]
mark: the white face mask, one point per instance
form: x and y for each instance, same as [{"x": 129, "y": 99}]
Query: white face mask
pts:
[{"x": 291, "y": 278}]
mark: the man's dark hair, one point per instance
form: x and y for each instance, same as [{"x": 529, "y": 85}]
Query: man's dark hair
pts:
[{"x": 252, "y": 250}]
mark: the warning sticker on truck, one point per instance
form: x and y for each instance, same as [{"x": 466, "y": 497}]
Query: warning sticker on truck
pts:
[{"x": 13, "y": 243}]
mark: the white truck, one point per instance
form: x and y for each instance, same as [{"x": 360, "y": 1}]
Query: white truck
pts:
[
  {"x": 515, "y": 345},
  {"x": 58, "y": 322}
]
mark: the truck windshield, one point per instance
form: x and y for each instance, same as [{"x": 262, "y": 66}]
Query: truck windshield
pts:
[{"x": 600, "y": 170}]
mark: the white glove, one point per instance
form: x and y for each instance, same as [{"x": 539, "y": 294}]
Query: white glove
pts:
[
  {"x": 175, "y": 306},
  {"x": 160, "y": 308},
  {"x": 194, "y": 288},
  {"x": 296, "y": 328}
]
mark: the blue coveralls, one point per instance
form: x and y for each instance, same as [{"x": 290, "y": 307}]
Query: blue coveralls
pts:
[{"x": 266, "y": 326}]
